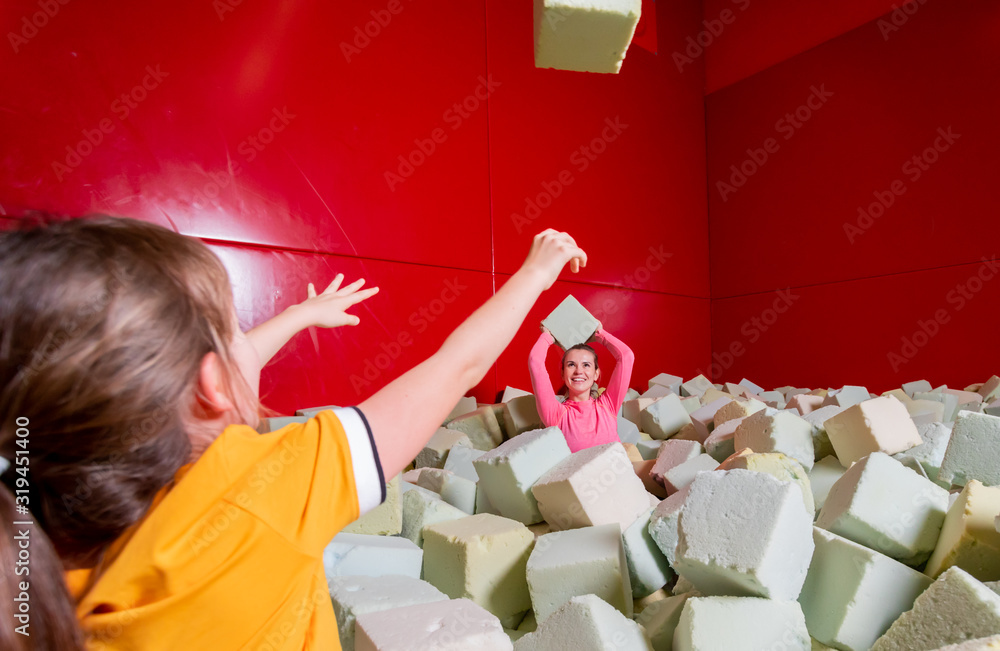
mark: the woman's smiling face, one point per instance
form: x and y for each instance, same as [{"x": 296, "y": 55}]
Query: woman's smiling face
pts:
[{"x": 580, "y": 372}]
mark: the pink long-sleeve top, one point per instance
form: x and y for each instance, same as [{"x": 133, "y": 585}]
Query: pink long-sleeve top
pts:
[{"x": 584, "y": 423}]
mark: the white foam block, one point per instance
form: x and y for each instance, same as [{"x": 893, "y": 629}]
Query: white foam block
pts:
[
  {"x": 876, "y": 425},
  {"x": 969, "y": 538},
  {"x": 721, "y": 443},
  {"x": 460, "y": 492},
  {"x": 704, "y": 417},
  {"x": 949, "y": 401},
  {"x": 663, "y": 524},
  {"x": 696, "y": 386},
  {"x": 919, "y": 386},
  {"x": 885, "y": 506},
  {"x": 660, "y": 621},
  {"x": 954, "y": 609},
  {"x": 673, "y": 453},
  {"x": 778, "y": 466},
  {"x": 990, "y": 643},
  {"x": 567, "y": 564},
  {"x": 585, "y": 623},
  {"x": 482, "y": 558},
  {"x": 744, "y": 533},
  {"x": 681, "y": 475},
  {"x": 990, "y": 390},
  {"x": 593, "y": 486},
  {"x": 740, "y": 624},
  {"x": 822, "y": 477},
  {"x": 664, "y": 418},
  {"x": 459, "y": 462},
  {"x": 570, "y": 323},
  {"x": 649, "y": 449},
  {"x": 648, "y": 569},
  {"x": 847, "y": 396},
  {"x": 672, "y": 382},
  {"x": 821, "y": 440},
  {"x": 507, "y": 473},
  {"x": 455, "y": 625},
  {"x": 511, "y": 392},
  {"x": 358, "y": 595},
  {"x": 386, "y": 519},
  {"x": 481, "y": 426},
  {"x": 852, "y": 594},
  {"x": 436, "y": 451},
  {"x": 740, "y": 408},
  {"x": 657, "y": 391},
  {"x": 421, "y": 508},
  {"x": 973, "y": 451},
  {"x": 353, "y": 554},
  {"x": 930, "y": 453},
  {"x": 465, "y": 405},
  {"x": 770, "y": 430},
  {"x": 628, "y": 432},
  {"x": 521, "y": 415}
]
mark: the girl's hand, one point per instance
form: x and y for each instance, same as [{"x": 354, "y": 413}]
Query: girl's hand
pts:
[
  {"x": 550, "y": 251},
  {"x": 329, "y": 309}
]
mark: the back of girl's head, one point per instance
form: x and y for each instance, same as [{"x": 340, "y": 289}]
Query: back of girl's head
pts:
[
  {"x": 103, "y": 326},
  {"x": 33, "y": 595}
]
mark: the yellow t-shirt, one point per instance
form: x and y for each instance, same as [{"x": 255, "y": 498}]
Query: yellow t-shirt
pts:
[{"x": 231, "y": 557}]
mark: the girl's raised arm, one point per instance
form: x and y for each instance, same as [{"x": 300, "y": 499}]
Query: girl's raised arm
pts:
[
  {"x": 404, "y": 414},
  {"x": 545, "y": 398},
  {"x": 622, "y": 375}
]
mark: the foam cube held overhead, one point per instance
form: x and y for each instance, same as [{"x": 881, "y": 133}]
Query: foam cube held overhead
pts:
[
  {"x": 571, "y": 323},
  {"x": 584, "y": 35}
]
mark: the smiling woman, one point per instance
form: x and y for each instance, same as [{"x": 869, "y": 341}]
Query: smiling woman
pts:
[{"x": 585, "y": 419}]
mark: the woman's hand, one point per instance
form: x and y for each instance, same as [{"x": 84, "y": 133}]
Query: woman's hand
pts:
[
  {"x": 329, "y": 309},
  {"x": 550, "y": 251}
]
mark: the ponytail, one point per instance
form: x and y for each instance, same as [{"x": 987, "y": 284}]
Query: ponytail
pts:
[{"x": 34, "y": 601}]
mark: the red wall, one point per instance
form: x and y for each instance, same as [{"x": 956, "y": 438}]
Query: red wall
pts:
[
  {"x": 904, "y": 294},
  {"x": 275, "y": 131}
]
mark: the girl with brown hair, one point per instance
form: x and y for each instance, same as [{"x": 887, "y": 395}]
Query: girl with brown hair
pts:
[{"x": 119, "y": 342}]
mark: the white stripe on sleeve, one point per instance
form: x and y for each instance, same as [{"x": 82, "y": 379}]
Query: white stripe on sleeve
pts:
[{"x": 368, "y": 477}]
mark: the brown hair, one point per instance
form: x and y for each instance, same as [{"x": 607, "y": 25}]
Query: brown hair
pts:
[
  {"x": 47, "y": 616},
  {"x": 103, "y": 326}
]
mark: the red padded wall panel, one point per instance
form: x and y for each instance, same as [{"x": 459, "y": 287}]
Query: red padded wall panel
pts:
[
  {"x": 784, "y": 223},
  {"x": 741, "y": 37},
  {"x": 878, "y": 332},
  {"x": 667, "y": 333},
  {"x": 416, "y": 308},
  {"x": 269, "y": 123},
  {"x": 617, "y": 160}
]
